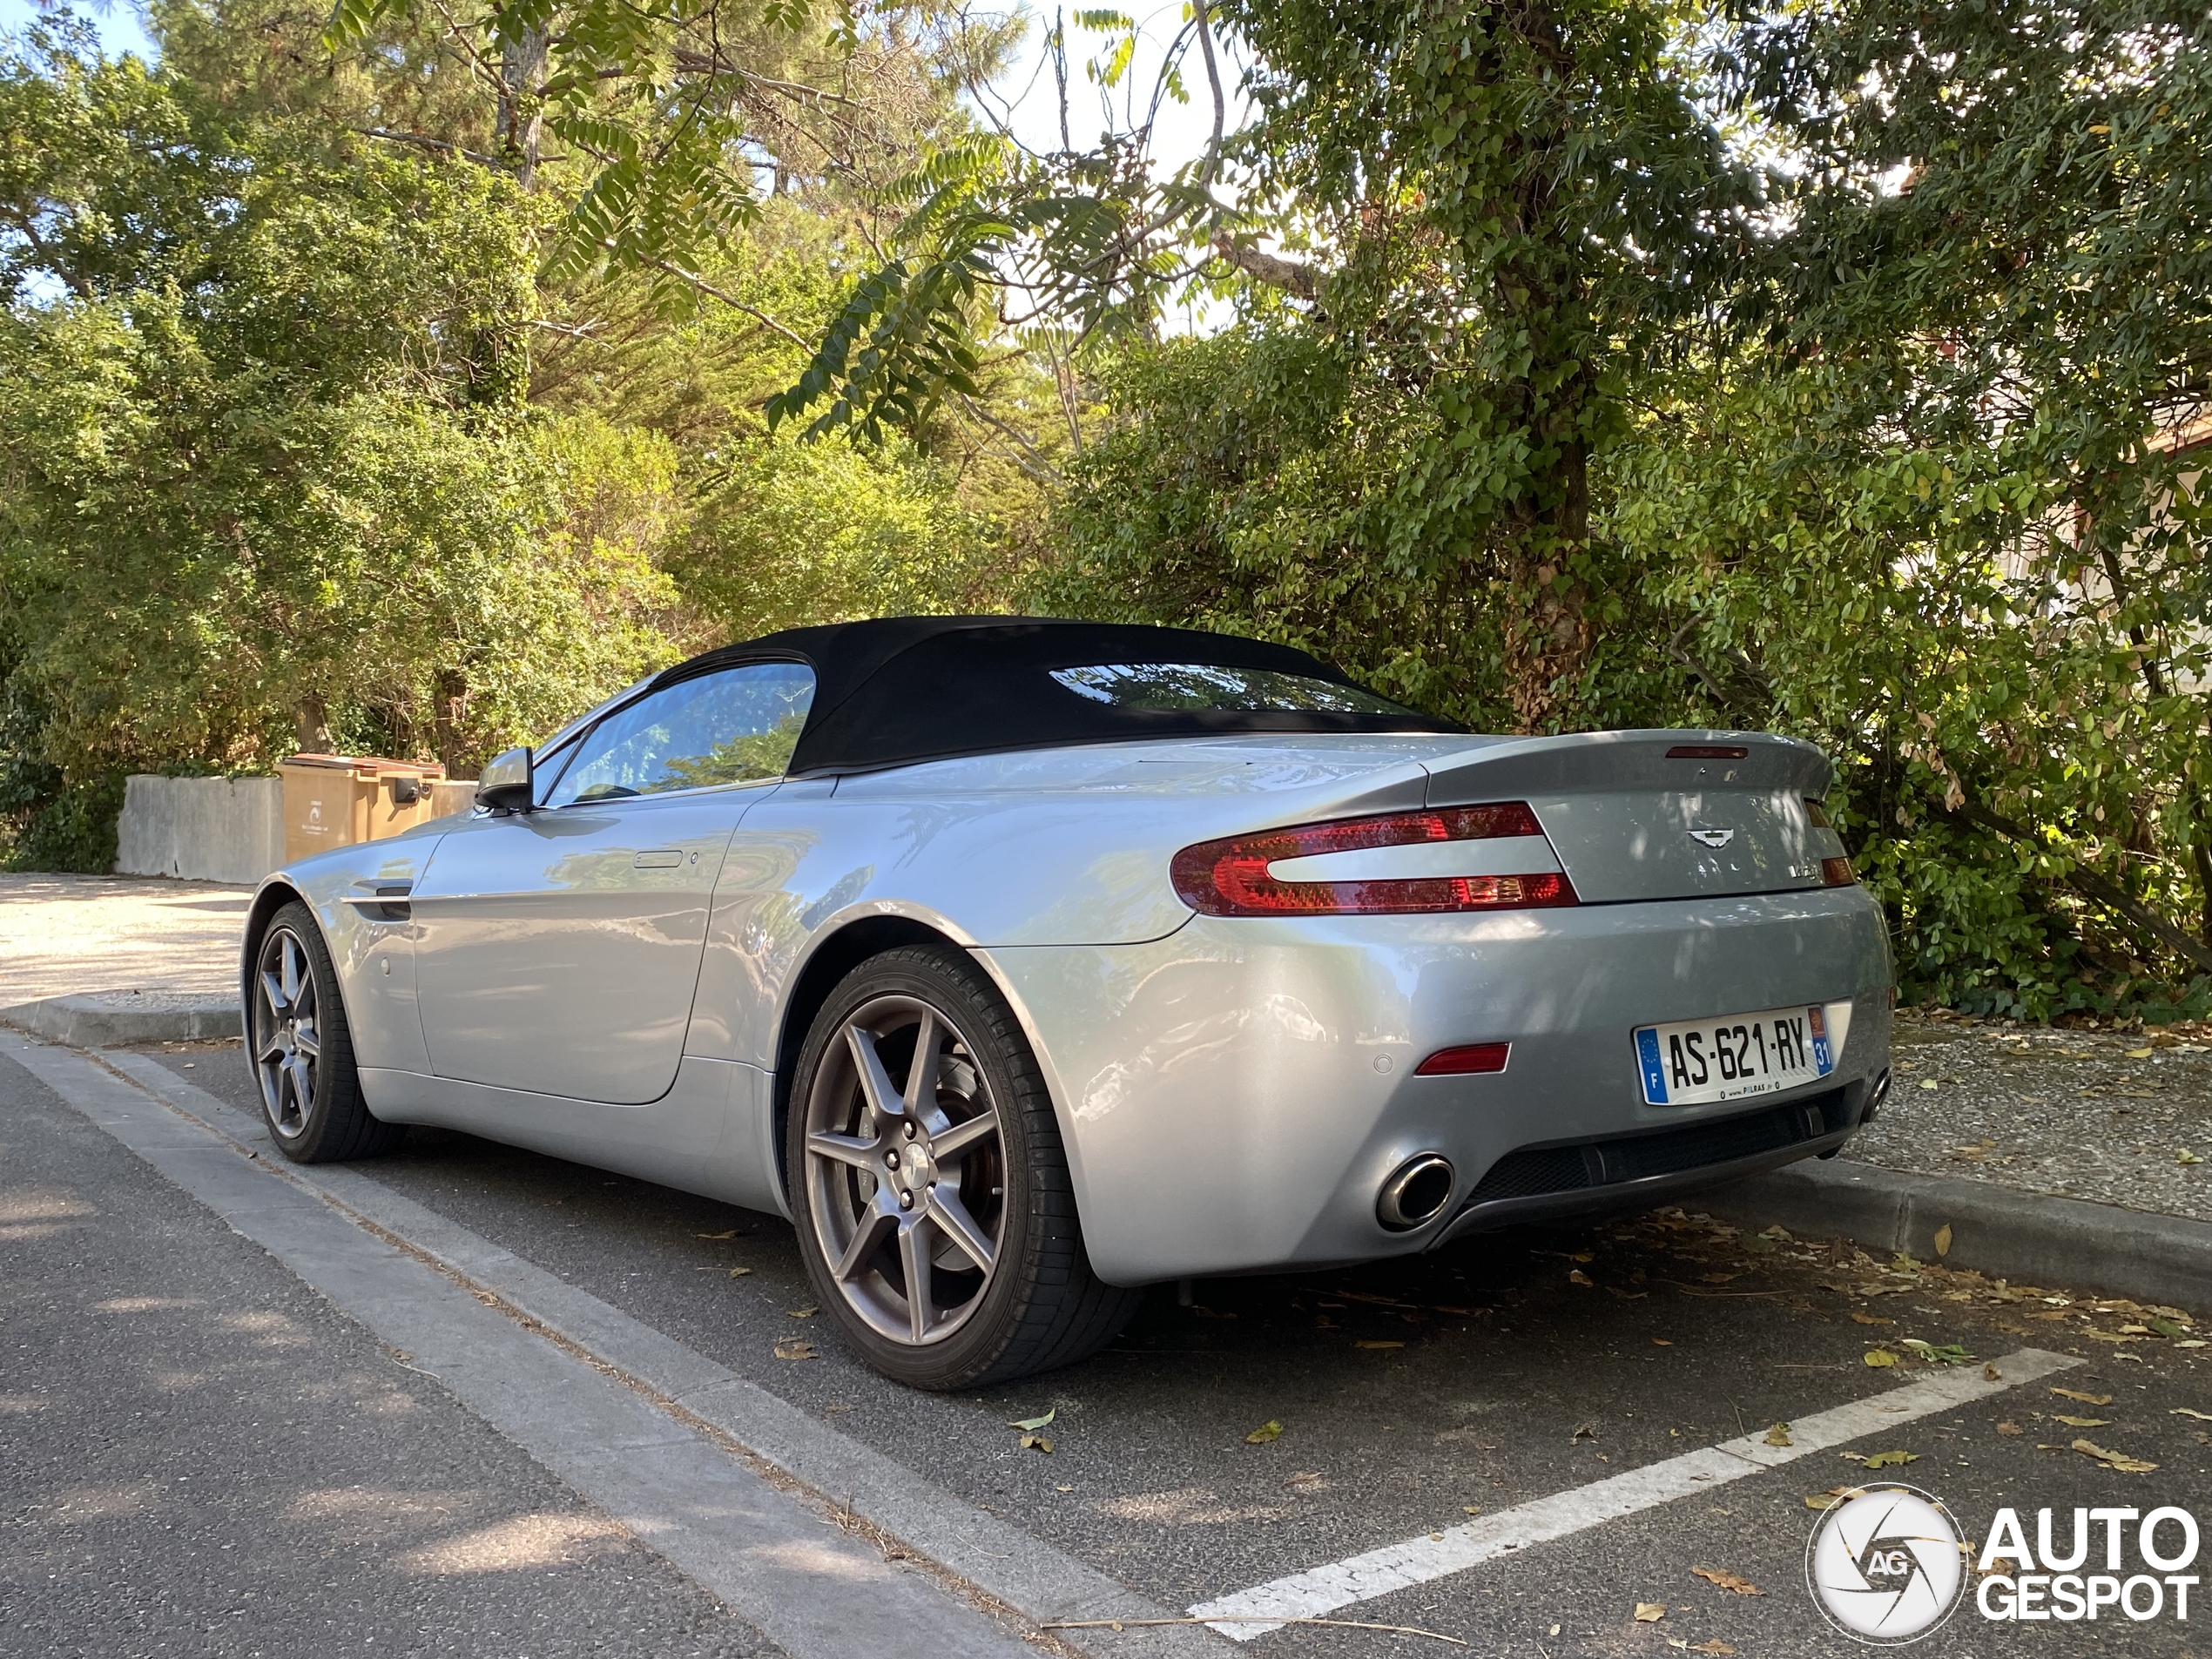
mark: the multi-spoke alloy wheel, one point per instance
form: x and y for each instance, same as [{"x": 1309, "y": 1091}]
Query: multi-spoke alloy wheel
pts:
[
  {"x": 931, "y": 1193},
  {"x": 905, "y": 1173},
  {"x": 287, "y": 1047},
  {"x": 302, "y": 1049}
]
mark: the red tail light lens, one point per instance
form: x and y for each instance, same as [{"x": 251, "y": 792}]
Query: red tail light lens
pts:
[
  {"x": 1835, "y": 872},
  {"x": 1230, "y": 878}
]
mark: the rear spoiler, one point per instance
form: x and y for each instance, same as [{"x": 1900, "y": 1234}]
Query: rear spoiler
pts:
[{"x": 1512, "y": 768}]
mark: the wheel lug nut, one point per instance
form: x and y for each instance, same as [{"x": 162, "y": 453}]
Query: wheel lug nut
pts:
[
  {"x": 905, "y": 1201},
  {"x": 891, "y": 1160},
  {"x": 910, "y": 1132}
]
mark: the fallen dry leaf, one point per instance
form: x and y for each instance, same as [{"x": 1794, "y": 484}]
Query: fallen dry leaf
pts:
[
  {"x": 1943, "y": 1240},
  {"x": 1366, "y": 1342},
  {"x": 1990, "y": 1373},
  {"x": 739, "y": 1273},
  {"x": 732, "y": 1233},
  {"x": 1868, "y": 1318},
  {"x": 1470, "y": 1508},
  {"x": 1270, "y": 1430},
  {"x": 1035, "y": 1443},
  {"x": 1779, "y": 1435},
  {"x": 793, "y": 1348},
  {"x": 1650, "y": 1612},
  {"x": 806, "y": 1312},
  {"x": 2183, "y": 1411},
  {"x": 2184, "y": 1156},
  {"x": 1882, "y": 1460},
  {"x": 2009, "y": 1429},
  {"x": 2086, "y": 1399},
  {"x": 1880, "y": 1357},
  {"x": 2119, "y": 1461},
  {"x": 2081, "y": 1422},
  {"x": 1716, "y": 1645},
  {"x": 2139, "y": 1054},
  {"x": 1576, "y": 1276},
  {"x": 1829, "y": 1499},
  {"x": 1727, "y": 1580},
  {"x": 1661, "y": 1342},
  {"x": 1035, "y": 1422}
]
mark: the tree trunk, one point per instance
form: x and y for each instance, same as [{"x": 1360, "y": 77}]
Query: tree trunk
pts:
[
  {"x": 311, "y": 719},
  {"x": 449, "y": 718},
  {"x": 1548, "y": 632},
  {"x": 521, "y": 123}
]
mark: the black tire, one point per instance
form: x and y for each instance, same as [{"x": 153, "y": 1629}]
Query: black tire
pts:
[
  {"x": 1039, "y": 1305},
  {"x": 300, "y": 1049}
]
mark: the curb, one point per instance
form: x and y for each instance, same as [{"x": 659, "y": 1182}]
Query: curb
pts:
[
  {"x": 113, "y": 1019},
  {"x": 1997, "y": 1230}
]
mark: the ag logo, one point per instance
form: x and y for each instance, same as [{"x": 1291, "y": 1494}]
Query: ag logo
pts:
[
  {"x": 1712, "y": 838},
  {"x": 1887, "y": 1565}
]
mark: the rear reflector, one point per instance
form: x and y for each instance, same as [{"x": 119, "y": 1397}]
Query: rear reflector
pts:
[
  {"x": 1460, "y": 1063},
  {"x": 1708, "y": 751},
  {"x": 1231, "y": 878},
  {"x": 1835, "y": 872}
]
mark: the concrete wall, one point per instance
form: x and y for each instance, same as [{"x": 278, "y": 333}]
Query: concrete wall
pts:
[
  {"x": 221, "y": 829},
  {"x": 201, "y": 829}
]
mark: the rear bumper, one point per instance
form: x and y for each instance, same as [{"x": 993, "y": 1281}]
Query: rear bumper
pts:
[
  {"x": 1570, "y": 1179},
  {"x": 1233, "y": 1096}
]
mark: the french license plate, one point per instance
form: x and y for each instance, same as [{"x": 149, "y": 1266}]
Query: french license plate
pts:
[{"x": 1694, "y": 1062}]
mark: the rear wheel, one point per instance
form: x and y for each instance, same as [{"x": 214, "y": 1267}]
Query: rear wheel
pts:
[
  {"x": 302, "y": 1050},
  {"x": 929, "y": 1185}
]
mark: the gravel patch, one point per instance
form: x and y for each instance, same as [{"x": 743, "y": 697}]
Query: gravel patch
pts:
[
  {"x": 2112, "y": 1118},
  {"x": 64, "y": 935}
]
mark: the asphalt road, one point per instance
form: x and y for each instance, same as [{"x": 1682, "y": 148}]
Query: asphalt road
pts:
[
  {"x": 1408, "y": 1394},
  {"x": 198, "y": 1455}
]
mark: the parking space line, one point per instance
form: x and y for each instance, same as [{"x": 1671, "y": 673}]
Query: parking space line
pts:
[
  {"x": 1360, "y": 1578},
  {"x": 1034, "y": 1579}
]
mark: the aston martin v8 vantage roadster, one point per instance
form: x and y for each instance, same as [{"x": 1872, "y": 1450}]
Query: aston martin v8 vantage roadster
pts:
[{"x": 1022, "y": 964}]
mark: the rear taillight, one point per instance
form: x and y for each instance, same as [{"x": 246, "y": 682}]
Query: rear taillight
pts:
[
  {"x": 1231, "y": 878},
  {"x": 1835, "y": 872},
  {"x": 1817, "y": 813}
]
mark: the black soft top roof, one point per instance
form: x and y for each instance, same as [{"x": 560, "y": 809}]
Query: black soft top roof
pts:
[{"x": 902, "y": 689}]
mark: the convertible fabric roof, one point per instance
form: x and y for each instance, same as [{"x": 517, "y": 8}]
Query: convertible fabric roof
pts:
[{"x": 904, "y": 689}]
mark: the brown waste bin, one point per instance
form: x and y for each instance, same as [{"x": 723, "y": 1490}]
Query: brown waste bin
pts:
[{"x": 335, "y": 800}]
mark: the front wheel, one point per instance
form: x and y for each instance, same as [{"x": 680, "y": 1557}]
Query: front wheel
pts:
[
  {"x": 929, "y": 1186},
  {"x": 303, "y": 1049}
]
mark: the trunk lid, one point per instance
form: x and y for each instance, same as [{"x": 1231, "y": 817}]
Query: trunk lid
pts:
[{"x": 1649, "y": 815}]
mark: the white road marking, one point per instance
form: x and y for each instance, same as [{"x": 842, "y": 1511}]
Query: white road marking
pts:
[{"x": 1360, "y": 1578}]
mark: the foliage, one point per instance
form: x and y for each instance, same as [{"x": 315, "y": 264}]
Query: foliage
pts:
[
  {"x": 267, "y": 466},
  {"x": 789, "y": 535},
  {"x": 1903, "y": 470}
]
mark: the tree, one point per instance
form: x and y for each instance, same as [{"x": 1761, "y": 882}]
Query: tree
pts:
[{"x": 269, "y": 478}]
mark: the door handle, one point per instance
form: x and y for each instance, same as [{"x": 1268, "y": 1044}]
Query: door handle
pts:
[{"x": 661, "y": 858}]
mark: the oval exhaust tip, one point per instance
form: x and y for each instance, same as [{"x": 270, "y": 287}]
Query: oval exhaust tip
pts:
[
  {"x": 1876, "y": 1095},
  {"x": 1416, "y": 1191}
]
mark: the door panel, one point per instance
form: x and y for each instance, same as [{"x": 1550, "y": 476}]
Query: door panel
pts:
[{"x": 557, "y": 952}]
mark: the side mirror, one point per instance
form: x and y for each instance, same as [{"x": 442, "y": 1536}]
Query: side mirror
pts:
[{"x": 507, "y": 783}]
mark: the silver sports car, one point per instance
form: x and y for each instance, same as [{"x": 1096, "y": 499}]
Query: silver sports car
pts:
[{"x": 1022, "y": 964}]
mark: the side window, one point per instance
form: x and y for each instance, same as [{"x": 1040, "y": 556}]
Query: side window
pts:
[{"x": 737, "y": 726}]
